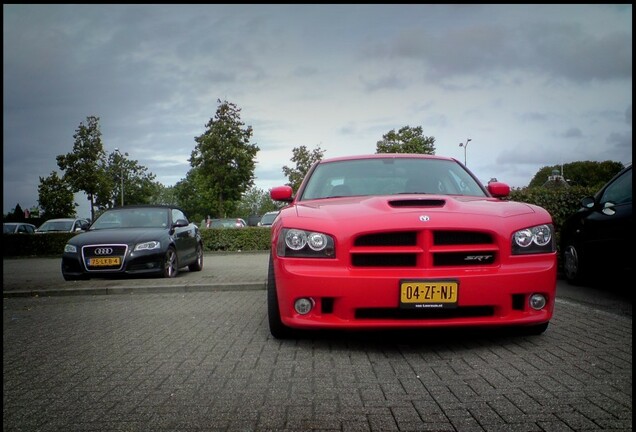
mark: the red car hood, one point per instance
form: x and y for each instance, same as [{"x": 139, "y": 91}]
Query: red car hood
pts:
[{"x": 413, "y": 210}]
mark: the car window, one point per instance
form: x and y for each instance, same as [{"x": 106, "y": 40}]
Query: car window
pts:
[
  {"x": 178, "y": 214},
  {"x": 57, "y": 226},
  {"x": 387, "y": 176},
  {"x": 620, "y": 191}
]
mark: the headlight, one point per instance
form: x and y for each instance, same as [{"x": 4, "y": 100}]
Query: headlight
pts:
[
  {"x": 69, "y": 248},
  {"x": 308, "y": 244},
  {"x": 538, "y": 239},
  {"x": 148, "y": 246}
]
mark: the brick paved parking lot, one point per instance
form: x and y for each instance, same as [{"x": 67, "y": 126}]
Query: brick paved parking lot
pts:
[{"x": 204, "y": 361}]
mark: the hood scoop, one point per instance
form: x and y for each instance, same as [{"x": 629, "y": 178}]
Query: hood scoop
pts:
[{"x": 415, "y": 202}]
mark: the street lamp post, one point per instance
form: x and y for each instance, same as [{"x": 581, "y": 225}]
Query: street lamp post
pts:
[
  {"x": 465, "y": 147},
  {"x": 121, "y": 174}
]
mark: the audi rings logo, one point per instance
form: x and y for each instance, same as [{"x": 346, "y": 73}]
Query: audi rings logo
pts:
[
  {"x": 103, "y": 251},
  {"x": 424, "y": 218}
]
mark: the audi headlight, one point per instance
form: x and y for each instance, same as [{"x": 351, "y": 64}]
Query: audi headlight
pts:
[
  {"x": 537, "y": 239},
  {"x": 301, "y": 243},
  {"x": 148, "y": 246},
  {"x": 69, "y": 248}
]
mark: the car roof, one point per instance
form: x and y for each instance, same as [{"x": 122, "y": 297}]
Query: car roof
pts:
[{"x": 385, "y": 156}]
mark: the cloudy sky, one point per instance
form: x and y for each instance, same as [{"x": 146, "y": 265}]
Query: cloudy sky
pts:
[{"x": 530, "y": 85}]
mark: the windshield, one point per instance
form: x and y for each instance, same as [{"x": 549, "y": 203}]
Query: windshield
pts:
[
  {"x": 8, "y": 228},
  {"x": 268, "y": 218},
  {"x": 132, "y": 218},
  {"x": 49, "y": 226},
  {"x": 390, "y": 176}
]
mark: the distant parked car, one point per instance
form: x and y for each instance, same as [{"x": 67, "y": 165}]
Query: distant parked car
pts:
[
  {"x": 134, "y": 240},
  {"x": 63, "y": 225},
  {"x": 228, "y": 223},
  {"x": 268, "y": 218},
  {"x": 17, "y": 228},
  {"x": 597, "y": 238}
]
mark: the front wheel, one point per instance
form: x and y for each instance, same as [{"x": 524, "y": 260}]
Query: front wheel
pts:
[
  {"x": 572, "y": 265},
  {"x": 197, "y": 265},
  {"x": 276, "y": 326},
  {"x": 534, "y": 330},
  {"x": 170, "y": 264}
]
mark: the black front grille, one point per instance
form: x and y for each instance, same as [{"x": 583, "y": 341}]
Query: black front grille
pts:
[
  {"x": 104, "y": 257},
  {"x": 116, "y": 250},
  {"x": 384, "y": 260},
  {"x": 461, "y": 237},
  {"x": 400, "y": 238},
  {"x": 434, "y": 248},
  {"x": 476, "y": 258}
]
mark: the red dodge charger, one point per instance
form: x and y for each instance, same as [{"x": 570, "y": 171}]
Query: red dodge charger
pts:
[{"x": 389, "y": 241}]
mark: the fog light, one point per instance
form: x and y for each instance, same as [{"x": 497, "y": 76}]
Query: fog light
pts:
[
  {"x": 303, "y": 305},
  {"x": 537, "y": 301}
]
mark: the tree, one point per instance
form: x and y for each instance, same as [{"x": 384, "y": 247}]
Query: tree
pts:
[
  {"x": 164, "y": 195},
  {"x": 139, "y": 186},
  {"x": 255, "y": 201},
  {"x": 303, "y": 160},
  {"x": 55, "y": 197},
  {"x": 193, "y": 195},
  {"x": 85, "y": 168},
  {"x": 224, "y": 158},
  {"x": 584, "y": 173},
  {"x": 406, "y": 140}
]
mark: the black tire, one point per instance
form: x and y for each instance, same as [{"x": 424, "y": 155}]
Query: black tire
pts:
[
  {"x": 197, "y": 265},
  {"x": 534, "y": 330},
  {"x": 170, "y": 264},
  {"x": 68, "y": 277},
  {"x": 276, "y": 326},
  {"x": 573, "y": 264}
]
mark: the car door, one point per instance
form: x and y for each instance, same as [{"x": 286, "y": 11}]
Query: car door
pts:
[
  {"x": 185, "y": 238},
  {"x": 608, "y": 224}
]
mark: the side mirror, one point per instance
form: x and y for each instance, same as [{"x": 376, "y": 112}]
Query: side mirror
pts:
[
  {"x": 588, "y": 202},
  {"x": 498, "y": 189},
  {"x": 281, "y": 193},
  {"x": 180, "y": 223}
]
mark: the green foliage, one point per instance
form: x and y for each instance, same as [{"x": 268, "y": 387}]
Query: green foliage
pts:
[
  {"x": 560, "y": 203},
  {"x": 406, "y": 140},
  {"x": 84, "y": 168},
  {"x": 236, "y": 239},
  {"x": 51, "y": 244},
  {"x": 194, "y": 197},
  {"x": 255, "y": 201},
  {"x": 138, "y": 184},
  {"x": 303, "y": 159},
  {"x": 224, "y": 159},
  {"x": 55, "y": 197},
  {"x": 584, "y": 173}
]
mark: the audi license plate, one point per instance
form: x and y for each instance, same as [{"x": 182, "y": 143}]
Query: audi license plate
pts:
[
  {"x": 104, "y": 262},
  {"x": 428, "y": 294}
]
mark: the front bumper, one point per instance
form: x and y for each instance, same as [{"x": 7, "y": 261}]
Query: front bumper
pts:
[
  {"x": 351, "y": 298},
  {"x": 132, "y": 264}
]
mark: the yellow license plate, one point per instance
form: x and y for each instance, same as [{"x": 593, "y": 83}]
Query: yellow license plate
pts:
[
  {"x": 428, "y": 294},
  {"x": 104, "y": 262}
]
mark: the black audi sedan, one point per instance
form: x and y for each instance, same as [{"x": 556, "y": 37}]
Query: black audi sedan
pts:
[{"x": 134, "y": 240}]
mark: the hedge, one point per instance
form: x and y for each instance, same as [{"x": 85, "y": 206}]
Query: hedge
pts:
[{"x": 560, "y": 203}]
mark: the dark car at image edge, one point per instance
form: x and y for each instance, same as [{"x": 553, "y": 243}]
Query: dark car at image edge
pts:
[
  {"x": 596, "y": 240},
  {"x": 134, "y": 240}
]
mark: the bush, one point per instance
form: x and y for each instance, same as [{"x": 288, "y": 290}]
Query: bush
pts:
[
  {"x": 222, "y": 239},
  {"x": 560, "y": 203}
]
